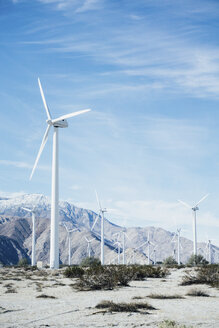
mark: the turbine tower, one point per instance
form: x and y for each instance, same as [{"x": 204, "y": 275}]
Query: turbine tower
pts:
[
  {"x": 33, "y": 256},
  {"x": 88, "y": 245},
  {"x": 149, "y": 243},
  {"x": 177, "y": 234},
  {"x": 101, "y": 214},
  {"x": 119, "y": 249},
  {"x": 155, "y": 259},
  {"x": 69, "y": 232},
  {"x": 208, "y": 247},
  {"x": 194, "y": 209},
  {"x": 145, "y": 243},
  {"x": 57, "y": 123}
]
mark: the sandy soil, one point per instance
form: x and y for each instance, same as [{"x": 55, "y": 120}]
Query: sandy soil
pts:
[{"x": 21, "y": 308}]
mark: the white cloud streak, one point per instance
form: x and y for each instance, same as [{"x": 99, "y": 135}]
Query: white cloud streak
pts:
[{"x": 22, "y": 165}]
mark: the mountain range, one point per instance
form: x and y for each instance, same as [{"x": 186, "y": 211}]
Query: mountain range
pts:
[{"x": 16, "y": 234}]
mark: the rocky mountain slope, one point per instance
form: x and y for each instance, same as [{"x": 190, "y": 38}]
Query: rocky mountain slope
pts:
[{"x": 16, "y": 230}]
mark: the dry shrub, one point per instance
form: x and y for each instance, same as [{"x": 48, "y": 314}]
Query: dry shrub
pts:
[
  {"x": 73, "y": 272},
  {"x": 46, "y": 296},
  {"x": 171, "y": 324},
  {"x": 197, "y": 292},
  {"x": 124, "y": 274},
  {"x": 165, "y": 297},
  {"x": 208, "y": 275},
  {"x": 96, "y": 278},
  {"x": 123, "y": 307},
  {"x": 104, "y": 277},
  {"x": 148, "y": 271}
]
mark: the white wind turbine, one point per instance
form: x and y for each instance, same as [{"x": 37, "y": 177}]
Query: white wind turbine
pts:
[
  {"x": 57, "y": 123},
  {"x": 122, "y": 235},
  {"x": 149, "y": 244},
  {"x": 101, "y": 214},
  {"x": 119, "y": 250},
  {"x": 209, "y": 251},
  {"x": 145, "y": 243},
  {"x": 194, "y": 209},
  {"x": 177, "y": 234},
  {"x": 69, "y": 232},
  {"x": 88, "y": 245},
  {"x": 33, "y": 256},
  {"x": 154, "y": 251}
]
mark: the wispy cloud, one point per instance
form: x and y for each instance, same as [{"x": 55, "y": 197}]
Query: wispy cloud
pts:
[
  {"x": 22, "y": 165},
  {"x": 89, "y": 5},
  {"x": 152, "y": 58},
  {"x": 77, "y": 6}
]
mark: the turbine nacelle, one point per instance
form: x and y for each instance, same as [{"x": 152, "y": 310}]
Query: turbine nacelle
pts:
[
  {"x": 57, "y": 123},
  {"x": 60, "y": 124},
  {"x": 196, "y": 208}
]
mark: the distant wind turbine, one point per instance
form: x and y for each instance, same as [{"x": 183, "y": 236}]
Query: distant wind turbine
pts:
[
  {"x": 57, "y": 123},
  {"x": 177, "y": 235},
  {"x": 194, "y": 209},
  {"x": 119, "y": 249},
  {"x": 155, "y": 251},
  {"x": 33, "y": 256},
  {"x": 100, "y": 214},
  {"x": 69, "y": 232},
  {"x": 88, "y": 245},
  {"x": 149, "y": 244}
]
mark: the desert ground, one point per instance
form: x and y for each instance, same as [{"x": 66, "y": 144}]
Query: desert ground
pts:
[{"x": 20, "y": 307}]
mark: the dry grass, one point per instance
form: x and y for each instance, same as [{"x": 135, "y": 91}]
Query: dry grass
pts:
[
  {"x": 148, "y": 271},
  {"x": 171, "y": 324},
  {"x": 11, "y": 291},
  {"x": 208, "y": 275},
  {"x": 138, "y": 297},
  {"x": 46, "y": 296},
  {"x": 165, "y": 297},
  {"x": 110, "y": 306},
  {"x": 197, "y": 292}
]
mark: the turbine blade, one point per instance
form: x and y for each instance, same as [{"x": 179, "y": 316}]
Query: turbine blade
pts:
[
  {"x": 73, "y": 230},
  {"x": 44, "y": 100},
  {"x": 95, "y": 222},
  {"x": 45, "y": 137},
  {"x": 173, "y": 240},
  {"x": 127, "y": 236},
  {"x": 201, "y": 200},
  {"x": 26, "y": 209},
  {"x": 98, "y": 200},
  {"x": 142, "y": 245},
  {"x": 185, "y": 204},
  {"x": 63, "y": 117}
]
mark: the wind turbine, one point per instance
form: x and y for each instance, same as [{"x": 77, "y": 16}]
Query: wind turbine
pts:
[
  {"x": 33, "y": 256},
  {"x": 154, "y": 250},
  {"x": 208, "y": 249},
  {"x": 100, "y": 214},
  {"x": 69, "y": 242},
  {"x": 149, "y": 243},
  {"x": 119, "y": 249},
  {"x": 57, "y": 123},
  {"x": 177, "y": 234},
  {"x": 145, "y": 243},
  {"x": 122, "y": 235},
  {"x": 88, "y": 245},
  {"x": 194, "y": 209}
]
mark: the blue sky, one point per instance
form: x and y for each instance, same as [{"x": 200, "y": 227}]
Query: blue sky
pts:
[{"x": 149, "y": 71}]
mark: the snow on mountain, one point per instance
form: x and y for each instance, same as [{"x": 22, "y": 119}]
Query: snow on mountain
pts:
[{"x": 16, "y": 224}]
